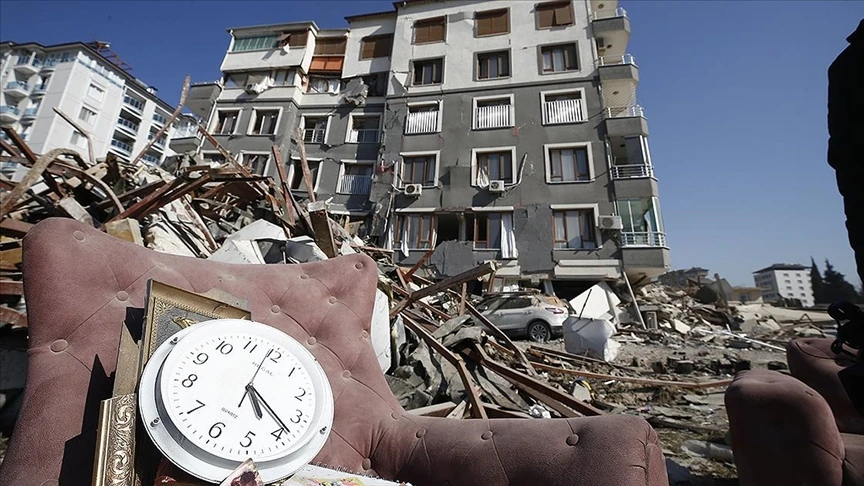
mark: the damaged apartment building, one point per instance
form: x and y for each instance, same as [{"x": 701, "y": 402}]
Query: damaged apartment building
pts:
[{"x": 487, "y": 130}]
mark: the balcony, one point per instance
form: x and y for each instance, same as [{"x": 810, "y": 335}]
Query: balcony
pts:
[
  {"x": 613, "y": 27},
  {"x": 202, "y": 96},
  {"x": 625, "y": 120},
  {"x": 618, "y": 67},
  {"x": 9, "y": 113},
  {"x": 421, "y": 122},
  {"x": 39, "y": 90},
  {"x": 354, "y": 184},
  {"x": 159, "y": 120},
  {"x": 632, "y": 171},
  {"x": 49, "y": 65},
  {"x": 133, "y": 105},
  {"x": 127, "y": 126},
  {"x": 159, "y": 144},
  {"x": 28, "y": 66},
  {"x": 123, "y": 148},
  {"x": 493, "y": 116},
  {"x": 314, "y": 135},
  {"x": 652, "y": 239},
  {"x": 185, "y": 138},
  {"x": 29, "y": 113},
  {"x": 150, "y": 159},
  {"x": 17, "y": 89},
  {"x": 563, "y": 111}
]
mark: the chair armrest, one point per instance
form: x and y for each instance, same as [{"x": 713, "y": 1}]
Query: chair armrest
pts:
[{"x": 783, "y": 432}]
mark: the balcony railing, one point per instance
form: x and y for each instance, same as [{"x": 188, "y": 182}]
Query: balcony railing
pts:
[
  {"x": 354, "y": 184},
  {"x": 123, "y": 147},
  {"x": 159, "y": 119},
  {"x": 422, "y": 122},
  {"x": 616, "y": 60},
  {"x": 39, "y": 89},
  {"x": 158, "y": 143},
  {"x": 10, "y": 109},
  {"x": 563, "y": 111},
  {"x": 363, "y": 135},
  {"x": 17, "y": 85},
  {"x": 151, "y": 159},
  {"x": 624, "y": 111},
  {"x": 30, "y": 112},
  {"x": 128, "y": 124},
  {"x": 643, "y": 239},
  {"x": 133, "y": 103},
  {"x": 187, "y": 131},
  {"x": 314, "y": 135},
  {"x": 633, "y": 171},
  {"x": 609, "y": 14},
  {"x": 493, "y": 116}
]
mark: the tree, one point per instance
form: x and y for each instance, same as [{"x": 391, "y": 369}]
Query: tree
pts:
[
  {"x": 817, "y": 283},
  {"x": 836, "y": 288}
]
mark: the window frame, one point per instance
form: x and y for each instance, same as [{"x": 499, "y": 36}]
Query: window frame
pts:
[
  {"x": 551, "y": 5},
  {"x": 547, "y": 157},
  {"x": 477, "y": 65},
  {"x": 397, "y": 228},
  {"x": 557, "y": 92},
  {"x": 99, "y": 89},
  {"x": 216, "y": 122},
  {"x": 304, "y": 116},
  {"x": 429, "y": 20},
  {"x": 487, "y": 150},
  {"x": 352, "y": 162},
  {"x": 352, "y": 116},
  {"x": 565, "y": 45},
  {"x": 485, "y": 214},
  {"x": 232, "y": 47},
  {"x": 267, "y": 161},
  {"x": 418, "y": 104},
  {"x": 330, "y": 41},
  {"x": 91, "y": 119},
  {"x": 413, "y": 72},
  {"x": 375, "y": 38},
  {"x": 254, "y": 118},
  {"x": 595, "y": 209},
  {"x": 512, "y": 105},
  {"x": 291, "y": 173},
  {"x": 506, "y": 11},
  {"x": 427, "y": 153}
]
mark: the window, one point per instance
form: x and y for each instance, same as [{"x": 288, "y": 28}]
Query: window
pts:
[
  {"x": 295, "y": 175},
  {"x": 419, "y": 169},
  {"x": 377, "y": 83},
  {"x": 430, "y": 30},
  {"x": 318, "y": 84},
  {"x": 87, "y": 115},
  {"x": 429, "y": 71},
  {"x": 492, "y": 166},
  {"x": 568, "y": 164},
  {"x": 493, "y": 112},
  {"x": 559, "y": 58},
  {"x": 283, "y": 77},
  {"x": 562, "y": 107},
  {"x": 492, "y": 22},
  {"x": 355, "y": 179},
  {"x": 264, "y": 122},
  {"x": 414, "y": 231},
  {"x": 376, "y": 46},
  {"x": 315, "y": 129},
  {"x": 334, "y": 46},
  {"x": 364, "y": 129},
  {"x": 226, "y": 124},
  {"x": 78, "y": 139},
  {"x": 785, "y": 274},
  {"x": 491, "y": 65},
  {"x": 574, "y": 229},
  {"x": 254, "y": 43},
  {"x": 293, "y": 39},
  {"x": 487, "y": 231},
  {"x": 213, "y": 158},
  {"x": 256, "y": 163},
  {"x": 554, "y": 14},
  {"x": 422, "y": 118},
  {"x": 95, "y": 92},
  {"x": 643, "y": 225}
]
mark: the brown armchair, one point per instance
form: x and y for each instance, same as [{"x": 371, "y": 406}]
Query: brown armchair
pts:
[{"x": 80, "y": 282}]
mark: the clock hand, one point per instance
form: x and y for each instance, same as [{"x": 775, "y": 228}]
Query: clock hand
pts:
[
  {"x": 253, "y": 398},
  {"x": 252, "y": 380},
  {"x": 253, "y": 391},
  {"x": 246, "y": 392}
]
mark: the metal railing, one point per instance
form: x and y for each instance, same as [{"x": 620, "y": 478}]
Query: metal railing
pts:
[
  {"x": 132, "y": 102},
  {"x": 151, "y": 159},
  {"x": 159, "y": 119},
  {"x": 17, "y": 85},
  {"x": 10, "y": 109},
  {"x": 354, "y": 184},
  {"x": 633, "y": 171},
  {"x": 623, "y": 111},
  {"x": 30, "y": 112},
  {"x": 609, "y": 14},
  {"x": 421, "y": 122},
  {"x": 160, "y": 142},
  {"x": 616, "y": 60},
  {"x": 493, "y": 116},
  {"x": 25, "y": 61},
  {"x": 646, "y": 238},
  {"x": 563, "y": 111},
  {"x": 363, "y": 135},
  {"x": 314, "y": 135},
  {"x": 40, "y": 88},
  {"x": 124, "y": 147},
  {"x": 128, "y": 124},
  {"x": 187, "y": 131}
]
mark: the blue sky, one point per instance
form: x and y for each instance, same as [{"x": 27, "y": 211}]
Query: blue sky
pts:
[{"x": 734, "y": 93}]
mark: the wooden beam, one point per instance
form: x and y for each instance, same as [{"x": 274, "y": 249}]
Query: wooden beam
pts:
[
  {"x": 446, "y": 284},
  {"x": 321, "y": 227},
  {"x": 419, "y": 263},
  {"x": 304, "y": 165},
  {"x": 31, "y": 157},
  {"x": 11, "y": 287},
  {"x": 90, "y": 155},
  {"x": 37, "y": 171},
  {"x": 183, "y": 93},
  {"x": 284, "y": 186},
  {"x": 13, "y": 317},
  {"x": 628, "y": 379},
  {"x": 14, "y": 227}
]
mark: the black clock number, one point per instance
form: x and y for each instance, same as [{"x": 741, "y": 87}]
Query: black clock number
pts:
[
  {"x": 275, "y": 355},
  {"x": 277, "y": 434},
  {"x": 189, "y": 381},
  {"x": 247, "y": 438},
  {"x": 298, "y": 417},
  {"x": 201, "y": 358},
  {"x": 200, "y": 404},
  {"x": 216, "y": 430},
  {"x": 301, "y": 395},
  {"x": 224, "y": 347},
  {"x": 250, "y": 349}
]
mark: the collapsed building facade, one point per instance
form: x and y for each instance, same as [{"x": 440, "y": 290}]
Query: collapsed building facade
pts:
[{"x": 491, "y": 130}]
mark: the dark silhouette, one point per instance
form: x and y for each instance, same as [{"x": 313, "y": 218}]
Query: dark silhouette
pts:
[
  {"x": 835, "y": 287},
  {"x": 816, "y": 283}
]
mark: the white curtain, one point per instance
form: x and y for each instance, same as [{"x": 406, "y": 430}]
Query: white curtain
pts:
[
  {"x": 482, "y": 177},
  {"x": 508, "y": 237}
]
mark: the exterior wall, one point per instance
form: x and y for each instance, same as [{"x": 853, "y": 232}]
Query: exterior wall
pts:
[{"x": 354, "y": 66}]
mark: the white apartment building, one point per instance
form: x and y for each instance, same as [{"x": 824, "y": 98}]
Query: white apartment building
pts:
[
  {"x": 783, "y": 280},
  {"x": 121, "y": 112}
]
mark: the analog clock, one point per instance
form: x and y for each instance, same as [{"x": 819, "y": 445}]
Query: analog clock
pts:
[{"x": 222, "y": 391}]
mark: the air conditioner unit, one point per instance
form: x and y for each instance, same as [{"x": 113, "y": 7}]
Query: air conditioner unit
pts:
[
  {"x": 610, "y": 222},
  {"x": 413, "y": 190},
  {"x": 496, "y": 186}
]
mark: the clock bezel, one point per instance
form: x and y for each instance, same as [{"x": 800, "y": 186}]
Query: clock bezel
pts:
[{"x": 172, "y": 443}]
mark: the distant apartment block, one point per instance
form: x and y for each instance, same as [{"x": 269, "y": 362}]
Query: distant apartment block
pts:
[
  {"x": 502, "y": 130},
  {"x": 682, "y": 278},
  {"x": 121, "y": 112},
  {"x": 783, "y": 280}
]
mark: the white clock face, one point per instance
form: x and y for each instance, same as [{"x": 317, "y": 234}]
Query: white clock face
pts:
[{"x": 209, "y": 400}]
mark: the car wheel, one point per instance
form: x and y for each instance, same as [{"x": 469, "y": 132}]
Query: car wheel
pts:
[{"x": 538, "y": 331}]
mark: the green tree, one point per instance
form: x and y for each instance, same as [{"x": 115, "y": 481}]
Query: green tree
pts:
[
  {"x": 817, "y": 283},
  {"x": 835, "y": 286}
]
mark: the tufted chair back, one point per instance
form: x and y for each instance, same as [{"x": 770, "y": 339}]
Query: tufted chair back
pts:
[{"x": 79, "y": 283}]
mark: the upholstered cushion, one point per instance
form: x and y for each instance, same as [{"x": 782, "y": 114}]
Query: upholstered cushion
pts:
[
  {"x": 80, "y": 282},
  {"x": 812, "y": 361}
]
